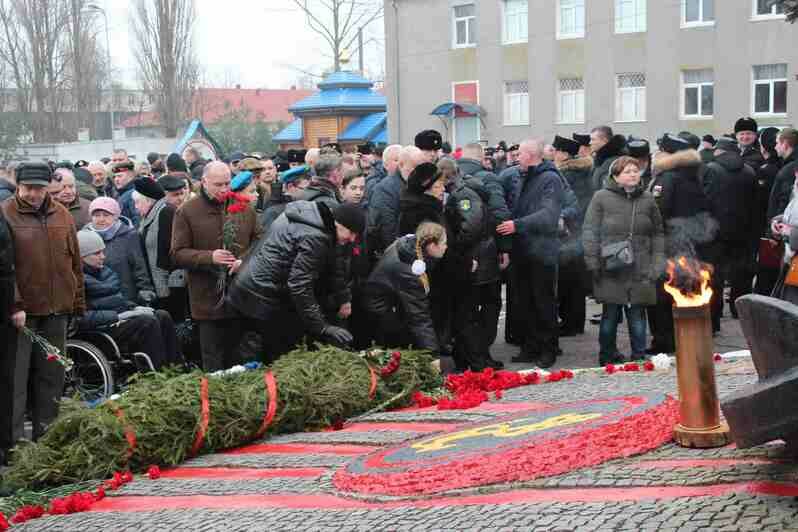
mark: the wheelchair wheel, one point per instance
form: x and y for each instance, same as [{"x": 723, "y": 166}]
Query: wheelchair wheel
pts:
[{"x": 91, "y": 377}]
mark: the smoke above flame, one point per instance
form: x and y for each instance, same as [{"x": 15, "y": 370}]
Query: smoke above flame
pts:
[{"x": 689, "y": 282}]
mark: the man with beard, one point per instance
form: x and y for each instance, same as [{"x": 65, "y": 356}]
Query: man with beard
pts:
[
  {"x": 730, "y": 186},
  {"x": 574, "y": 279}
]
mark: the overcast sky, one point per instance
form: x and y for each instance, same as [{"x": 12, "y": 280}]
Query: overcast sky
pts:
[{"x": 251, "y": 42}]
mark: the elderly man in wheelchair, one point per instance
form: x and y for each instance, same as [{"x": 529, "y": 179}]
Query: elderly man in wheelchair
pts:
[{"x": 134, "y": 328}]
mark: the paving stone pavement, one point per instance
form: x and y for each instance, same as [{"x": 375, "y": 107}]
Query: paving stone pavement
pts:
[{"x": 668, "y": 489}]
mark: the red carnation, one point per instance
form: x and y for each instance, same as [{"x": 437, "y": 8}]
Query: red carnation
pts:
[
  {"x": 610, "y": 369},
  {"x": 631, "y": 366},
  {"x": 338, "y": 424},
  {"x": 154, "y": 472},
  {"x": 26, "y": 513},
  {"x": 355, "y": 252},
  {"x": 648, "y": 366},
  {"x": 127, "y": 476},
  {"x": 52, "y": 357},
  {"x": 3, "y": 522},
  {"x": 498, "y": 394},
  {"x": 717, "y": 357},
  {"x": 59, "y": 506},
  {"x": 100, "y": 493}
]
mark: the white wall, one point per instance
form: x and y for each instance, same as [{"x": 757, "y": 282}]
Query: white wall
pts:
[{"x": 94, "y": 150}]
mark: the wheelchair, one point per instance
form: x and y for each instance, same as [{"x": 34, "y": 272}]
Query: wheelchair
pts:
[{"x": 100, "y": 368}]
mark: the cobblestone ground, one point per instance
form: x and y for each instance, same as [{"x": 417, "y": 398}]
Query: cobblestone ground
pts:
[{"x": 285, "y": 482}]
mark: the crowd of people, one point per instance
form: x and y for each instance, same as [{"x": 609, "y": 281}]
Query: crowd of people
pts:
[{"x": 388, "y": 245}]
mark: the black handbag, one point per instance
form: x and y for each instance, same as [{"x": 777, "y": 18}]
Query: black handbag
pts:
[{"x": 619, "y": 255}]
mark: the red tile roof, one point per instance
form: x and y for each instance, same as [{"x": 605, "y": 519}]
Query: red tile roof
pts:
[{"x": 268, "y": 105}]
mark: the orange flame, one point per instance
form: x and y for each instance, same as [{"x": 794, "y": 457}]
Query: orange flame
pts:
[{"x": 689, "y": 282}]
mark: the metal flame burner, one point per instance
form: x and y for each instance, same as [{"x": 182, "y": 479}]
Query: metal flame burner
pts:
[{"x": 700, "y": 424}]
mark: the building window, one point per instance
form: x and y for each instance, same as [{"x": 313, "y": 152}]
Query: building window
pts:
[
  {"x": 571, "y": 19},
  {"x": 465, "y": 26},
  {"x": 571, "y": 101},
  {"x": 630, "y": 16},
  {"x": 770, "y": 89},
  {"x": 767, "y": 9},
  {"x": 516, "y": 103},
  {"x": 698, "y": 88},
  {"x": 631, "y": 98},
  {"x": 516, "y": 18},
  {"x": 131, "y": 99},
  {"x": 698, "y": 13}
]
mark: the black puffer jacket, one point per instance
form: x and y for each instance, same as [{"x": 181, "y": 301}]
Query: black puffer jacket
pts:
[
  {"x": 104, "y": 299},
  {"x": 730, "y": 186},
  {"x": 393, "y": 285},
  {"x": 293, "y": 265},
  {"x": 415, "y": 208},
  {"x": 753, "y": 157},
  {"x": 766, "y": 178},
  {"x": 577, "y": 174},
  {"x": 472, "y": 226},
  {"x": 497, "y": 205},
  {"x": 125, "y": 256}
]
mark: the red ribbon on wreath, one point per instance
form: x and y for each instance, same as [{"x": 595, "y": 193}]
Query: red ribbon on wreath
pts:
[
  {"x": 373, "y": 386},
  {"x": 130, "y": 435},
  {"x": 205, "y": 414},
  {"x": 271, "y": 408}
]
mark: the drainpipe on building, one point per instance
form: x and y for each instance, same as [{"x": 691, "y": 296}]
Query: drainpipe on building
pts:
[{"x": 395, "y": 5}]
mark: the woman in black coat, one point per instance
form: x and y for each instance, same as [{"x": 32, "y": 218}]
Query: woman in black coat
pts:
[
  {"x": 422, "y": 201},
  {"x": 396, "y": 295}
]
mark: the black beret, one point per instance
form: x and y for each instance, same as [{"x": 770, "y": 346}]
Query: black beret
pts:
[
  {"x": 638, "y": 148},
  {"x": 567, "y": 145},
  {"x": 429, "y": 139},
  {"x": 175, "y": 163},
  {"x": 768, "y": 138},
  {"x": 124, "y": 165},
  {"x": 672, "y": 144},
  {"x": 710, "y": 139},
  {"x": 583, "y": 140},
  {"x": 34, "y": 174},
  {"x": 691, "y": 139},
  {"x": 726, "y": 143},
  {"x": 148, "y": 187},
  {"x": 172, "y": 183},
  {"x": 422, "y": 177},
  {"x": 746, "y": 124},
  {"x": 350, "y": 216}
]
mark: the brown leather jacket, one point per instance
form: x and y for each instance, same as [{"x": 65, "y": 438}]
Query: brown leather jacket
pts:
[
  {"x": 196, "y": 234},
  {"x": 49, "y": 271}
]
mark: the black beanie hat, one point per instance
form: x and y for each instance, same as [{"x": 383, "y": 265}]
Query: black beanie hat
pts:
[
  {"x": 422, "y": 177},
  {"x": 148, "y": 187},
  {"x": 175, "y": 163},
  {"x": 350, "y": 216}
]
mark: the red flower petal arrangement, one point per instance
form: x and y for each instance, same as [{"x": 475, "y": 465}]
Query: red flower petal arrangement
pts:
[{"x": 3, "y": 523}]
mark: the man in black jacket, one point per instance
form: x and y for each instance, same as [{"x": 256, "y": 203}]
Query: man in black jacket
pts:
[
  {"x": 730, "y": 186},
  {"x": 8, "y": 339},
  {"x": 605, "y": 147},
  {"x": 745, "y": 129},
  {"x": 785, "y": 178},
  {"x": 284, "y": 282}
]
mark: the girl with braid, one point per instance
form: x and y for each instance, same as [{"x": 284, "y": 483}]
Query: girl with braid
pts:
[{"x": 396, "y": 294}]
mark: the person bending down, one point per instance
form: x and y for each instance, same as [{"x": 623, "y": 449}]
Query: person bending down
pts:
[
  {"x": 136, "y": 329},
  {"x": 396, "y": 294}
]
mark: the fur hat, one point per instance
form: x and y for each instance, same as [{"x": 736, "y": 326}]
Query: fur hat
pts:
[
  {"x": 672, "y": 144},
  {"x": 746, "y": 124},
  {"x": 583, "y": 140},
  {"x": 709, "y": 138},
  {"x": 89, "y": 242},
  {"x": 429, "y": 139},
  {"x": 691, "y": 139},
  {"x": 569, "y": 146},
  {"x": 638, "y": 148}
]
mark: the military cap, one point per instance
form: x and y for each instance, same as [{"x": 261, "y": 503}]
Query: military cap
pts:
[{"x": 429, "y": 139}]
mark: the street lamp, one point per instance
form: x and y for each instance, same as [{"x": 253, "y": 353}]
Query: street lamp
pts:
[{"x": 94, "y": 8}]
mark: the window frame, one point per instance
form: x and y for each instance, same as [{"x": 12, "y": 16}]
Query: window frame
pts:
[
  {"x": 578, "y": 35},
  {"x": 698, "y": 24},
  {"x": 574, "y": 93},
  {"x": 505, "y": 39},
  {"x": 700, "y": 86},
  {"x": 757, "y": 17},
  {"x": 471, "y": 41},
  {"x": 505, "y": 102},
  {"x": 637, "y": 4},
  {"x": 620, "y": 90},
  {"x": 772, "y": 83}
]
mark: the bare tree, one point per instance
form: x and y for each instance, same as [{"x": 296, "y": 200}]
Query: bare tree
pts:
[
  {"x": 164, "y": 51},
  {"x": 339, "y": 21}
]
